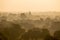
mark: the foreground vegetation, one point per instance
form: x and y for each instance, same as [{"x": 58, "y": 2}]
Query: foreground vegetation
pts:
[{"x": 27, "y": 29}]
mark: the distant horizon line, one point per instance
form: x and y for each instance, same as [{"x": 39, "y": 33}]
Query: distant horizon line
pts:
[{"x": 28, "y": 11}]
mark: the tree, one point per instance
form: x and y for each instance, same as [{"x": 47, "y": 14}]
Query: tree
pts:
[
  {"x": 37, "y": 34},
  {"x": 55, "y": 26},
  {"x": 2, "y": 37},
  {"x": 3, "y": 18},
  {"x": 49, "y": 38},
  {"x": 31, "y": 34},
  {"x": 12, "y": 30},
  {"x": 45, "y": 33},
  {"x": 57, "y": 35},
  {"x": 23, "y": 16}
]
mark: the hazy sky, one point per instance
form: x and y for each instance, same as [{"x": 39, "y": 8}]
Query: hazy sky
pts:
[{"x": 29, "y": 5}]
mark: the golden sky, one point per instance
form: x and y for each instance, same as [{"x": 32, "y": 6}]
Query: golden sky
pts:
[{"x": 29, "y": 5}]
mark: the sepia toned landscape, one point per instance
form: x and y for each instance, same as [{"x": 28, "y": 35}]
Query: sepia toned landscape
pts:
[
  {"x": 29, "y": 19},
  {"x": 28, "y": 26}
]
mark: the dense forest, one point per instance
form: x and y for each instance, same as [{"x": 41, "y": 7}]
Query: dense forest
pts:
[{"x": 29, "y": 27}]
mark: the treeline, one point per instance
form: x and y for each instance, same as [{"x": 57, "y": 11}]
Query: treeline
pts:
[
  {"x": 27, "y": 29},
  {"x": 12, "y": 31}
]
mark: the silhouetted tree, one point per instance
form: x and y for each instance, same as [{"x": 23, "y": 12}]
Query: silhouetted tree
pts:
[
  {"x": 31, "y": 34},
  {"x": 57, "y": 35},
  {"x": 45, "y": 32},
  {"x": 11, "y": 30},
  {"x": 49, "y": 38},
  {"x": 46, "y": 35},
  {"x": 3, "y": 37},
  {"x": 37, "y": 34},
  {"x": 23, "y": 16}
]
